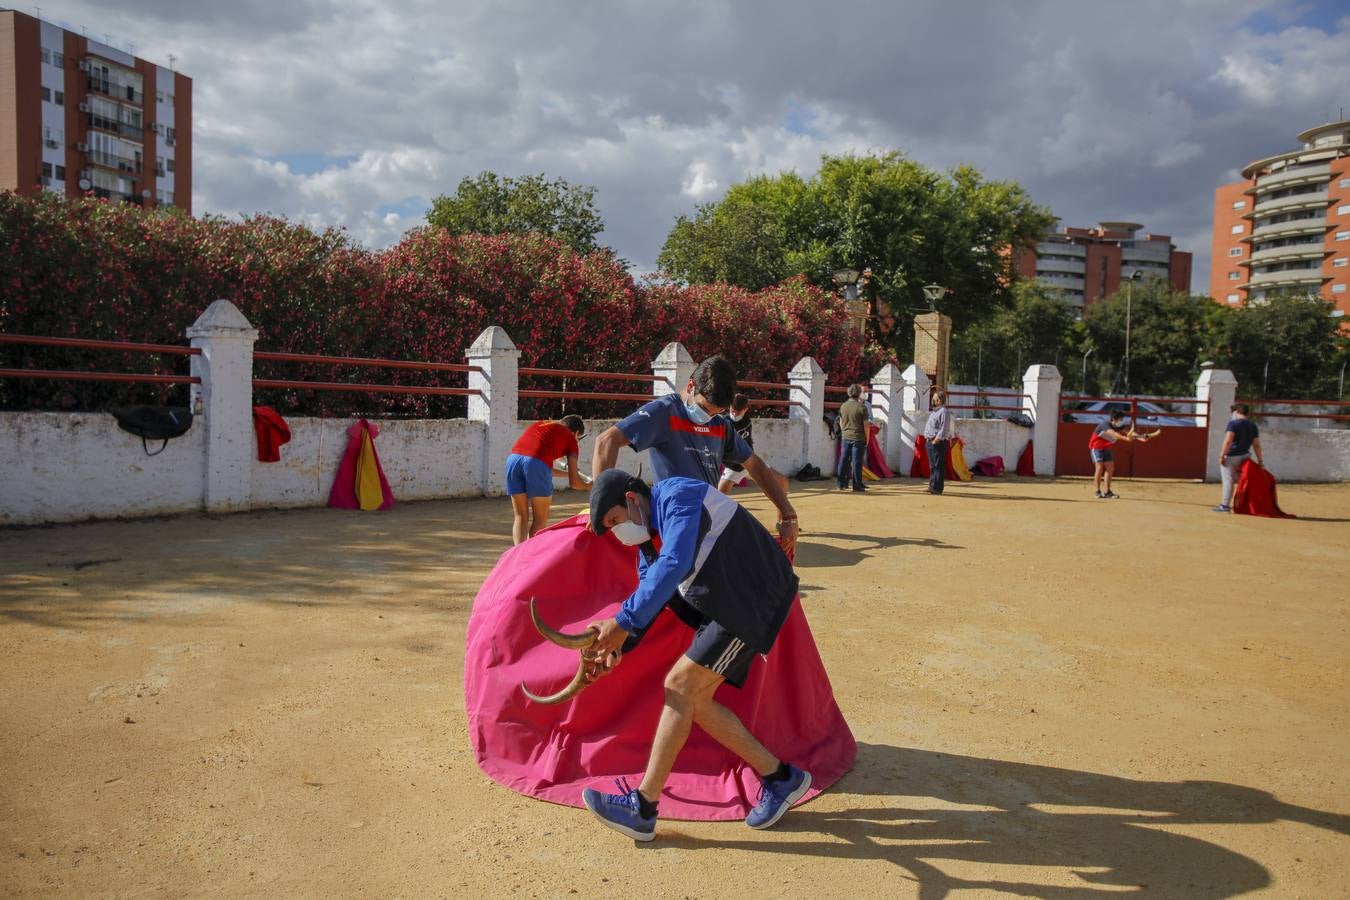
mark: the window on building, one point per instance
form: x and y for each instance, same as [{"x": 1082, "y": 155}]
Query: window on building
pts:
[
  {"x": 168, "y": 135},
  {"x": 169, "y": 163},
  {"x": 1232, "y": 298},
  {"x": 60, "y": 173},
  {"x": 1235, "y": 251},
  {"x": 159, "y": 96},
  {"x": 1234, "y": 276},
  {"x": 1344, "y": 182},
  {"x": 59, "y": 97},
  {"x": 58, "y": 59},
  {"x": 46, "y": 94},
  {"x": 1343, "y": 210},
  {"x": 46, "y": 170},
  {"x": 1338, "y": 289},
  {"x": 1343, "y": 235},
  {"x": 1339, "y": 263},
  {"x": 1236, "y": 229},
  {"x": 46, "y": 55},
  {"x": 1239, "y": 204}
]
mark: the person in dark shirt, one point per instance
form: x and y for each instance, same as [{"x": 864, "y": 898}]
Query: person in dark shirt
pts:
[
  {"x": 744, "y": 425},
  {"x": 1241, "y": 442}
]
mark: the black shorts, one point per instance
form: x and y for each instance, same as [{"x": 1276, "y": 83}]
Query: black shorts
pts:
[{"x": 719, "y": 650}]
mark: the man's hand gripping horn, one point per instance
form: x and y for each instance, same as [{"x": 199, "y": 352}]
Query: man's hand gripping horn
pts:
[{"x": 583, "y": 642}]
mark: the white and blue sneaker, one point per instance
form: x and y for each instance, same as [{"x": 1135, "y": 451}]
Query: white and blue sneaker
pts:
[
  {"x": 777, "y": 797},
  {"x": 622, "y": 811}
]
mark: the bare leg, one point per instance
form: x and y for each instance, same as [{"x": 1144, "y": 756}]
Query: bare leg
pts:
[
  {"x": 1110, "y": 470},
  {"x": 519, "y": 518},
  {"x": 689, "y": 692},
  {"x": 1097, "y": 475},
  {"x": 539, "y": 509}
]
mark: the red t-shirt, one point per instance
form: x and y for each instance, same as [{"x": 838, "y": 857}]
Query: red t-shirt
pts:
[{"x": 547, "y": 441}]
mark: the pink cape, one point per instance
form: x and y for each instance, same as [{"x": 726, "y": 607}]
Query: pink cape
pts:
[{"x": 552, "y": 752}]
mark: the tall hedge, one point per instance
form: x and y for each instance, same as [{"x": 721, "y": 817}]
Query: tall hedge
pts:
[{"x": 93, "y": 269}]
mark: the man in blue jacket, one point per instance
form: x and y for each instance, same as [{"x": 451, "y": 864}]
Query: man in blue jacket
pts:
[{"x": 726, "y": 577}]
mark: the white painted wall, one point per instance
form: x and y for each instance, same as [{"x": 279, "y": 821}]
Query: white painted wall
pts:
[
  {"x": 993, "y": 437},
  {"x": 1298, "y": 454},
  {"x": 63, "y": 467}
]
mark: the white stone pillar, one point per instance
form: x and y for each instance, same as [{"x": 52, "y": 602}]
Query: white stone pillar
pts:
[
  {"x": 807, "y": 388},
  {"x": 673, "y": 367},
  {"x": 497, "y": 408},
  {"x": 887, "y": 386},
  {"x": 1219, "y": 387},
  {"x": 1041, "y": 385},
  {"x": 223, "y": 403},
  {"x": 914, "y": 397}
]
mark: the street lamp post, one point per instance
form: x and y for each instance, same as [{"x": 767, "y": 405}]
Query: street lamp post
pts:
[
  {"x": 933, "y": 293},
  {"x": 1129, "y": 299}
]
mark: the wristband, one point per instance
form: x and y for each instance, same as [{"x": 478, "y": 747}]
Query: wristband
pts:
[{"x": 787, "y": 519}]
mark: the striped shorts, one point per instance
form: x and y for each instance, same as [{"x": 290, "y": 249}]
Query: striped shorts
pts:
[{"x": 721, "y": 651}]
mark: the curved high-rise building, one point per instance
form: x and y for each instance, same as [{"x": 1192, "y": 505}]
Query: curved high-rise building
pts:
[{"x": 1286, "y": 225}]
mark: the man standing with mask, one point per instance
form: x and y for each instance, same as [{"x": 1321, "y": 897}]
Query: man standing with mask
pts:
[
  {"x": 737, "y": 587},
  {"x": 689, "y": 436}
]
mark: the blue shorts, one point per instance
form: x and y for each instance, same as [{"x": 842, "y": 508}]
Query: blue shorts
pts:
[
  {"x": 1102, "y": 456},
  {"x": 529, "y": 476}
]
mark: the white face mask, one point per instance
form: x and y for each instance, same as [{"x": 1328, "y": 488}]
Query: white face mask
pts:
[
  {"x": 631, "y": 532},
  {"x": 737, "y": 418},
  {"x": 697, "y": 414}
]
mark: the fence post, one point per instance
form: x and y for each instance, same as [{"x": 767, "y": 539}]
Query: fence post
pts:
[
  {"x": 224, "y": 401},
  {"x": 807, "y": 387},
  {"x": 675, "y": 366},
  {"x": 1041, "y": 387},
  {"x": 1219, "y": 388},
  {"x": 497, "y": 408},
  {"x": 914, "y": 390},
  {"x": 887, "y": 385}
]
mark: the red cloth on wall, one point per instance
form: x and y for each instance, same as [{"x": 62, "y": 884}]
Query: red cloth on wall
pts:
[
  {"x": 1026, "y": 463},
  {"x": 272, "y": 431},
  {"x": 875, "y": 460},
  {"x": 1255, "y": 493},
  {"x": 360, "y": 465},
  {"x": 919, "y": 468},
  {"x": 552, "y": 752}
]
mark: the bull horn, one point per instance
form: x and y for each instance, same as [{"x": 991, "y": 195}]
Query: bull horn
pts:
[
  {"x": 573, "y": 688},
  {"x": 583, "y": 641}
]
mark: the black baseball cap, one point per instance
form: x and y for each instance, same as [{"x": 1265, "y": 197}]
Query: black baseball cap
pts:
[{"x": 608, "y": 491}]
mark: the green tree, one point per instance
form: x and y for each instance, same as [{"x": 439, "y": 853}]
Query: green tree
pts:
[
  {"x": 909, "y": 224},
  {"x": 1289, "y": 345},
  {"x": 489, "y": 204},
  {"x": 1038, "y": 326},
  {"x": 1171, "y": 333}
]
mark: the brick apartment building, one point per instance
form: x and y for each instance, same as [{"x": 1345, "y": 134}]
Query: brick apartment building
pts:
[
  {"x": 77, "y": 116},
  {"x": 1089, "y": 263},
  {"x": 1286, "y": 224}
]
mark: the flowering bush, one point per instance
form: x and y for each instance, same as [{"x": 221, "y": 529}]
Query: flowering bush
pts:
[{"x": 93, "y": 269}]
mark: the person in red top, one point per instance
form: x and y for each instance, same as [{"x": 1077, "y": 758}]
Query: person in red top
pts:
[
  {"x": 1099, "y": 445},
  {"x": 529, "y": 472}
]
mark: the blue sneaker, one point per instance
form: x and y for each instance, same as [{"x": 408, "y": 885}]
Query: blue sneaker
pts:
[
  {"x": 776, "y": 797},
  {"x": 621, "y": 811}
]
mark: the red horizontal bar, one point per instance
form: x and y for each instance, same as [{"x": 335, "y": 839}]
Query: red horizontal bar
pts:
[
  {"x": 178, "y": 349},
  {"x": 984, "y": 394},
  {"x": 992, "y": 408},
  {"x": 867, "y": 388},
  {"x": 1297, "y": 402},
  {"x": 581, "y": 373},
  {"x": 366, "y": 361},
  {"x": 783, "y": 404},
  {"x": 366, "y": 388},
  {"x": 1335, "y": 417},
  {"x": 767, "y": 386},
  {"x": 56, "y": 375},
  {"x": 583, "y": 395}
]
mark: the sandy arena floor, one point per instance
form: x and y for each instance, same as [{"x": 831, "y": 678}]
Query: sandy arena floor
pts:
[{"x": 1053, "y": 697}]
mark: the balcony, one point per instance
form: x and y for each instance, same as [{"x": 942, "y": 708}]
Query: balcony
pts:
[
  {"x": 1312, "y": 200},
  {"x": 123, "y": 164},
  {"x": 103, "y": 123},
  {"x": 1285, "y": 278},
  {"x": 1287, "y": 253},
  {"x": 1291, "y": 178},
  {"x": 112, "y": 87},
  {"x": 1316, "y": 225}
]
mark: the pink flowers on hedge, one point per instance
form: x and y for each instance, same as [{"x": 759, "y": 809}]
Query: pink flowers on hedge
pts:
[{"x": 95, "y": 269}]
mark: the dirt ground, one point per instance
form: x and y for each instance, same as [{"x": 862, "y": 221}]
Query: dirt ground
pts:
[{"x": 1054, "y": 696}]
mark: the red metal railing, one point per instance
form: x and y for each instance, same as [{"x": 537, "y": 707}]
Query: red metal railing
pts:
[
  {"x": 365, "y": 387},
  {"x": 1256, "y": 407},
  {"x": 988, "y": 407},
  {"x": 89, "y": 344}
]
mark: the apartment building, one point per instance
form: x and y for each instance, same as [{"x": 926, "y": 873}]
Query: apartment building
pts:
[
  {"x": 80, "y": 117},
  {"x": 1089, "y": 263},
  {"x": 1286, "y": 224}
]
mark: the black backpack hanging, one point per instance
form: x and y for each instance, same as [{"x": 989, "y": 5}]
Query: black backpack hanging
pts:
[{"x": 155, "y": 423}]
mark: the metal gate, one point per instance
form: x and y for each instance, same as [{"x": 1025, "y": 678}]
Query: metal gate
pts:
[{"x": 1178, "y": 452}]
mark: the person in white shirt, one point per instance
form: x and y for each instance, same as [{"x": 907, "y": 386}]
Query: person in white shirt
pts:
[{"x": 938, "y": 433}]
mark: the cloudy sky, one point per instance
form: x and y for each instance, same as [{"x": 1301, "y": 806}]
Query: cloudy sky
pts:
[{"x": 358, "y": 112}]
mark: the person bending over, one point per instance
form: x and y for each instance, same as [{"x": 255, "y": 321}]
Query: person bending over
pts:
[{"x": 529, "y": 472}]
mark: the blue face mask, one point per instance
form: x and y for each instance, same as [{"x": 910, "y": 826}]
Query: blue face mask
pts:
[{"x": 697, "y": 414}]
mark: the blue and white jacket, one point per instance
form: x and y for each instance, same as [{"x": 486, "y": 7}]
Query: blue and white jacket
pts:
[{"x": 722, "y": 562}]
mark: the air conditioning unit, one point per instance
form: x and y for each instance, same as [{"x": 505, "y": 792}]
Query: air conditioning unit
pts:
[
  {"x": 156, "y": 128},
  {"x": 85, "y": 65},
  {"x": 169, "y": 141},
  {"x": 51, "y": 143},
  {"x": 84, "y": 107},
  {"x": 82, "y": 147}
]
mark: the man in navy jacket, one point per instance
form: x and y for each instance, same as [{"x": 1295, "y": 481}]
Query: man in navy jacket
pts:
[{"x": 725, "y": 576}]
